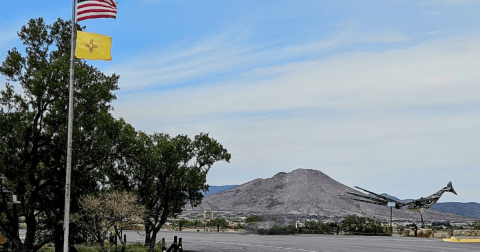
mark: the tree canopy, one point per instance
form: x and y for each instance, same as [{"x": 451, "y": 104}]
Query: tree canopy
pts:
[
  {"x": 33, "y": 132},
  {"x": 169, "y": 173},
  {"x": 164, "y": 172}
]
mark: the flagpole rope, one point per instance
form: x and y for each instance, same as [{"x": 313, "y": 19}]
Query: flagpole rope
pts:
[{"x": 69, "y": 138}]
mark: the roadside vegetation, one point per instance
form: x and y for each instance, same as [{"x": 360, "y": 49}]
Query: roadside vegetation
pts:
[
  {"x": 318, "y": 227},
  {"x": 476, "y": 225},
  {"x": 130, "y": 247},
  {"x": 254, "y": 218},
  {"x": 109, "y": 155},
  {"x": 358, "y": 225}
]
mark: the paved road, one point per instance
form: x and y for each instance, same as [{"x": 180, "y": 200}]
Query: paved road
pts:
[{"x": 224, "y": 242}]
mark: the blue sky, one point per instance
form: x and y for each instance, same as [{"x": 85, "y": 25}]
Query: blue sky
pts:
[{"x": 379, "y": 94}]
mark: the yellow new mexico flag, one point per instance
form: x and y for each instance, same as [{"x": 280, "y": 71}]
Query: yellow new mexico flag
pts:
[{"x": 93, "y": 46}]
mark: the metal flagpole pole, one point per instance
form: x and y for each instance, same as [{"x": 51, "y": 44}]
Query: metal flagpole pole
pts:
[{"x": 69, "y": 139}]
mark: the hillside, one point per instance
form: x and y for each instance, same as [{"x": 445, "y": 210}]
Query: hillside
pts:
[
  {"x": 305, "y": 192},
  {"x": 470, "y": 209}
]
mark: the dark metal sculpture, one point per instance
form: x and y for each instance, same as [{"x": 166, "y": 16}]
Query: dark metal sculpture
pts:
[{"x": 419, "y": 205}]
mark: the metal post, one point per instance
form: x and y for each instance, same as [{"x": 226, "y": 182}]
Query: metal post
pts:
[
  {"x": 175, "y": 243},
  {"x": 66, "y": 220},
  {"x": 180, "y": 249},
  {"x": 391, "y": 214},
  {"x": 391, "y": 204}
]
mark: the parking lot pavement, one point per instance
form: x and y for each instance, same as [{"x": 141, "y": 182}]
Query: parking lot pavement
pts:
[
  {"x": 210, "y": 242},
  {"x": 230, "y": 242}
]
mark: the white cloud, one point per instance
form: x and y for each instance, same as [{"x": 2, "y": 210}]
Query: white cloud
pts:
[
  {"x": 360, "y": 117},
  {"x": 426, "y": 74}
]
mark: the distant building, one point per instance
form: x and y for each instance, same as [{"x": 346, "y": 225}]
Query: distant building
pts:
[{"x": 207, "y": 215}]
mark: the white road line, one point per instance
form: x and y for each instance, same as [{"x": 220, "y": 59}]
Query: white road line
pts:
[{"x": 254, "y": 245}]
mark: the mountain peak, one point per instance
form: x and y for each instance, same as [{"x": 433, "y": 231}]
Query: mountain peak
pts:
[{"x": 301, "y": 191}]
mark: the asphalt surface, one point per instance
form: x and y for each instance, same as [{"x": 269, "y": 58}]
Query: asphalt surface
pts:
[{"x": 227, "y": 242}]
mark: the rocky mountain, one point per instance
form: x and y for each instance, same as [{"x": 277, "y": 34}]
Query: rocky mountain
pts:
[{"x": 305, "y": 192}]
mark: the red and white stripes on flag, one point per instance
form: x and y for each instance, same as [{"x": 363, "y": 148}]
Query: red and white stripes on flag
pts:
[{"x": 87, "y": 9}]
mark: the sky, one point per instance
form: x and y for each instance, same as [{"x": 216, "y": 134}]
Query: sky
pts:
[{"x": 378, "y": 94}]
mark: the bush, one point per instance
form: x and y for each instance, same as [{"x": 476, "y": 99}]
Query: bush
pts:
[
  {"x": 476, "y": 224},
  {"x": 354, "y": 224},
  {"x": 254, "y": 218},
  {"x": 278, "y": 230},
  {"x": 317, "y": 227}
]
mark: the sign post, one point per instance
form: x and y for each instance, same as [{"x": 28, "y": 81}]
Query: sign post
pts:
[{"x": 391, "y": 204}]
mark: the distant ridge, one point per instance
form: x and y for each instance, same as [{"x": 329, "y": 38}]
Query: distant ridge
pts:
[
  {"x": 305, "y": 192},
  {"x": 465, "y": 209},
  {"x": 217, "y": 189},
  {"x": 470, "y": 209}
]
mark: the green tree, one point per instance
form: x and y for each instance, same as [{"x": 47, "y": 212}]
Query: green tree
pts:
[
  {"x": 218, "y": 222},
  {"x": 169, "y": 172},
  {"x": 184, "y": 223},
  {"x": 33, "y": 133}
]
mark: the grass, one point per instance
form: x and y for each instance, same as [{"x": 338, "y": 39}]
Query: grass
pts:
[{"x": 137, "y": 247}]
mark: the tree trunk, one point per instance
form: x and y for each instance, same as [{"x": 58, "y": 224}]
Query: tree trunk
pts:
[
  {"x": 101, "y": 243},
  {"x": 147, "y": 233},
  {"x": 58, "y": 238},
  {"x": 152, "y": 240}
]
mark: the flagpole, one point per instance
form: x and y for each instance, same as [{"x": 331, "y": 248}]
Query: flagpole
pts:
[{"x": 69, "y": 138}]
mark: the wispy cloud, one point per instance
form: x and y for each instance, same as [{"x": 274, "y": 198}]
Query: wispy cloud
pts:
[
  {"x": 226, "y": 53},
  {"x": 395, "y": 78},
  {"x": 396, "y": 109},
  {"x": 451, "y": 2},
  {"x": 432, "y": 12}
]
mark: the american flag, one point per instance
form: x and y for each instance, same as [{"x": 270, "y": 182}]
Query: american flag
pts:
[{"x": 87, "y": 9}]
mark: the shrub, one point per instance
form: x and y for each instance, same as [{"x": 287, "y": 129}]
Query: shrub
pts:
[
  {"x": 278, "y": 230},
  {"x": 476, "y": 225},
  {"x": 254, "y": 218},
  {"x": 354, "y": 224},
  {"x": 318, "y": 227}
]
